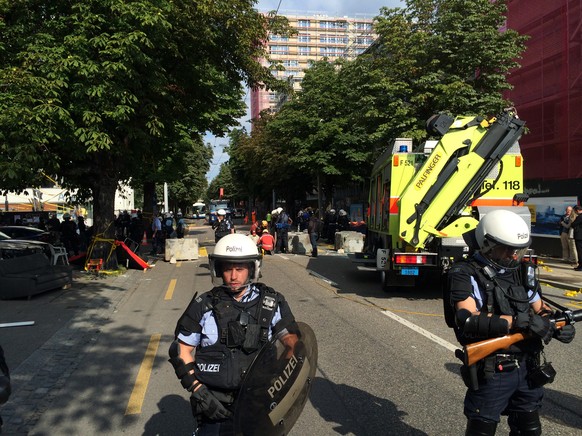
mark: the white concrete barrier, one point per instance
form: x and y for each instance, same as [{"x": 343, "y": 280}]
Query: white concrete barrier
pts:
[
  {"x": 349, "y": 241},
  {"x": 299, "y": 243},
  {"x": 181, "y": 249}
]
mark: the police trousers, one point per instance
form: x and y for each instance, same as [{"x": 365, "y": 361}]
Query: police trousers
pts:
[{"x": 502, "y": 392}]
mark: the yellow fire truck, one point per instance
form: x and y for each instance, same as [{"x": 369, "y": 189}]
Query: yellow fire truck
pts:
[{"x": 422, "y": 200}]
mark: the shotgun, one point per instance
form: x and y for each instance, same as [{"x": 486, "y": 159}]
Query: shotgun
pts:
[{"x": 479, "y": 350}]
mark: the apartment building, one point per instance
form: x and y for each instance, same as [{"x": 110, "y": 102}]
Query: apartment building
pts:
[{"x": 318, "y": 36}]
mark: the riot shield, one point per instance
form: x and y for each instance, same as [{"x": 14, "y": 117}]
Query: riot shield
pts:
[{"x": 277, "y": 384}]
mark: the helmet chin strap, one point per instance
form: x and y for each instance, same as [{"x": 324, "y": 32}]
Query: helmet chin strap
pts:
[{"x": 238, "y": 290}]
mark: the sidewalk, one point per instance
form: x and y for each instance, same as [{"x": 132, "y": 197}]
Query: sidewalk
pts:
[{"x": 554, "y": 272}]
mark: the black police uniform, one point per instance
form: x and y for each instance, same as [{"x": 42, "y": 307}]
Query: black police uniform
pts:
[
  {"x": 243, "y": 328},
  {"x": 221, "y": 228},
  {"x": 504, "y": 378}
]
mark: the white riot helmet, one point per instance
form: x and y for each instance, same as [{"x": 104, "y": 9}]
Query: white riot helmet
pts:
[
  {"x": 221, "y": 212},
  {"x": 503, "y": 237},
  {"x": 235, "y": 248}
]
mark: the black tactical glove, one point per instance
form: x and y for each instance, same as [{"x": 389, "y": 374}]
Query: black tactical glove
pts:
[
  {"x": 209, "y": 404},
  {"x": 521, "y": 321},
  {"x": 541, "y": 326},
  {"x": 565, "y": 334}
]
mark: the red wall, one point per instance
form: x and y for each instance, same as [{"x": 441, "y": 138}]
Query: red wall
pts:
[{"x": 548, "y": 87}]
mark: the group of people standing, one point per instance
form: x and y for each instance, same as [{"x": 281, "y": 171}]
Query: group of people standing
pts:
[
  {"x": 73, "y": 234},
  {"x": 571, "y": 235},
  {"x": 166, "y": 226},
  {"x": 272, "y": 234}
]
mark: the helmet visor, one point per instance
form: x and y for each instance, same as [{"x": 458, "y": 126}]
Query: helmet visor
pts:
[{"x": 506, "y": 257}]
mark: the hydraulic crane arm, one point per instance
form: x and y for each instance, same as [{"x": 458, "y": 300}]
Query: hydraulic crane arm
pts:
[{"x": 454, "y": 173}]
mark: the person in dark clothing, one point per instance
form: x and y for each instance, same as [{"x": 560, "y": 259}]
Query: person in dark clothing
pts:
[
  {"x": 331, "y": 228},
  {"x": 83, "y": 241},
  {"x": 222, "y": 226},
  {"x": 69, "y": 236},
  {"x": 282, "y": 225},
  {"x": 577, "y": 226},
  {"x": 492, "y": 294},
  {"x": 212, "y": 327},
  {"x": 313, "y": 226},
  {"x": 343, "y": 221},
  {"x": 180, "y": 225},
  {"x": 136, "y": 228}
]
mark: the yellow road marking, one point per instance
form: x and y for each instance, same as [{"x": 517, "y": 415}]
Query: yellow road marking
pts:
[
  {"x": 170, "y": 291},
  {"x": 202, "y": 252},
  {"x": 143, "y": 376}
]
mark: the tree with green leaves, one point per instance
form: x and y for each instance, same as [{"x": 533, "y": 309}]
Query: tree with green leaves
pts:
[
  {"x": 97, "y": 92},
  {"x": 432, "y": 56}
]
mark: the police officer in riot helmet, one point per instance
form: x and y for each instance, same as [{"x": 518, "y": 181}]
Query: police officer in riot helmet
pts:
[
  {"x": 235, "y": 319},
  {"x": 222, "y": 226},
  {"x": 491, "y": 294}
]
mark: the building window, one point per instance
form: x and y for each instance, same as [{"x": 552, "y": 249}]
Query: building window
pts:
[
  {"x": 303, "y": 23},
  {"x": 304, "y": 51},
  {"x": 364, "y": 26},
  {"x": 364, "y": 40},
  {"x": 333, "y": 24},
  {"x": 278, "y": 38},
  {"x": 279, "y": 49},
  {"x": 333, "y": 39},
  {"x": 331, "y": 51},
  {"x": 303, "y": 38},
  {"x": 290, "y": 63}
]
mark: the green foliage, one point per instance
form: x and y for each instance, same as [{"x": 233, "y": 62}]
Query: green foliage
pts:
[
  {"x": 101, "y": 91},
  {"x": 450, "y": 56}
]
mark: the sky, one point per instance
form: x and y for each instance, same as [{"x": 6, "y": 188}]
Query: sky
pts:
[{"x": 329, "y": 7}]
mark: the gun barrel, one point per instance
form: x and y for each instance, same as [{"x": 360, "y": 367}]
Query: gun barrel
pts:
[{"x": 570, "y": 317}]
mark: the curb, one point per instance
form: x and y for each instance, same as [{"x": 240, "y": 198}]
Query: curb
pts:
[{"x": 561, "y": 285}]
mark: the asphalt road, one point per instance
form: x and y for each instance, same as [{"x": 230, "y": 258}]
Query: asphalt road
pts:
[{"x": 95, "y": 362}]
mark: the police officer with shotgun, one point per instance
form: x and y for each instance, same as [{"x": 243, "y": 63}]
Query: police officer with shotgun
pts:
[
  {"x": 223, "y": 331},
  {"x": 491, "y": 294}
]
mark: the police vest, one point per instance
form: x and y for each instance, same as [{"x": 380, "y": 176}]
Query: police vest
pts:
[
  {"x": 243, "y": 328},
  {"x": 223, "y": 228},
  {"x": 504, "y": 294}
]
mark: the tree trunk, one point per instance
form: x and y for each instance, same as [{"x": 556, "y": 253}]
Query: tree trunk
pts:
[
  {"x": 149, "y": 198},
  {"x": 104, "y": 208}
]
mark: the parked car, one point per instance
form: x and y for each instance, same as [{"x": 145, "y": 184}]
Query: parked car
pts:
[
  {"x": 27, "y": 233},
  {"x": 11, "y": 248}
]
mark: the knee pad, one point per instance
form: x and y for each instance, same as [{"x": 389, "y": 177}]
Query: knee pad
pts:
[
  {"x": 479, "y": 427},
  {"x": 525, "y": 423}
]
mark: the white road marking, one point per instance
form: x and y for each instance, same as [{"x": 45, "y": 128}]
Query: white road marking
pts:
[
  {"x": 401, "y": 320},
  {"x": 420, "y": 330}
]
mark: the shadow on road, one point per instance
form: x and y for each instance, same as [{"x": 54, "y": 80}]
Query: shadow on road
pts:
[
  {"x": 358, "y": 412},
  {"x": 174, "y": 418},
  {"x": 348, "y": 279}
]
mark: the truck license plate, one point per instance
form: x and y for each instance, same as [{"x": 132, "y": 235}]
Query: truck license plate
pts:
[{"x": 409, "y": 271}]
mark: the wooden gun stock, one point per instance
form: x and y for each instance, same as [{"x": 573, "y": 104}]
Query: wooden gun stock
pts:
[{"x": 479, "y": 350}]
